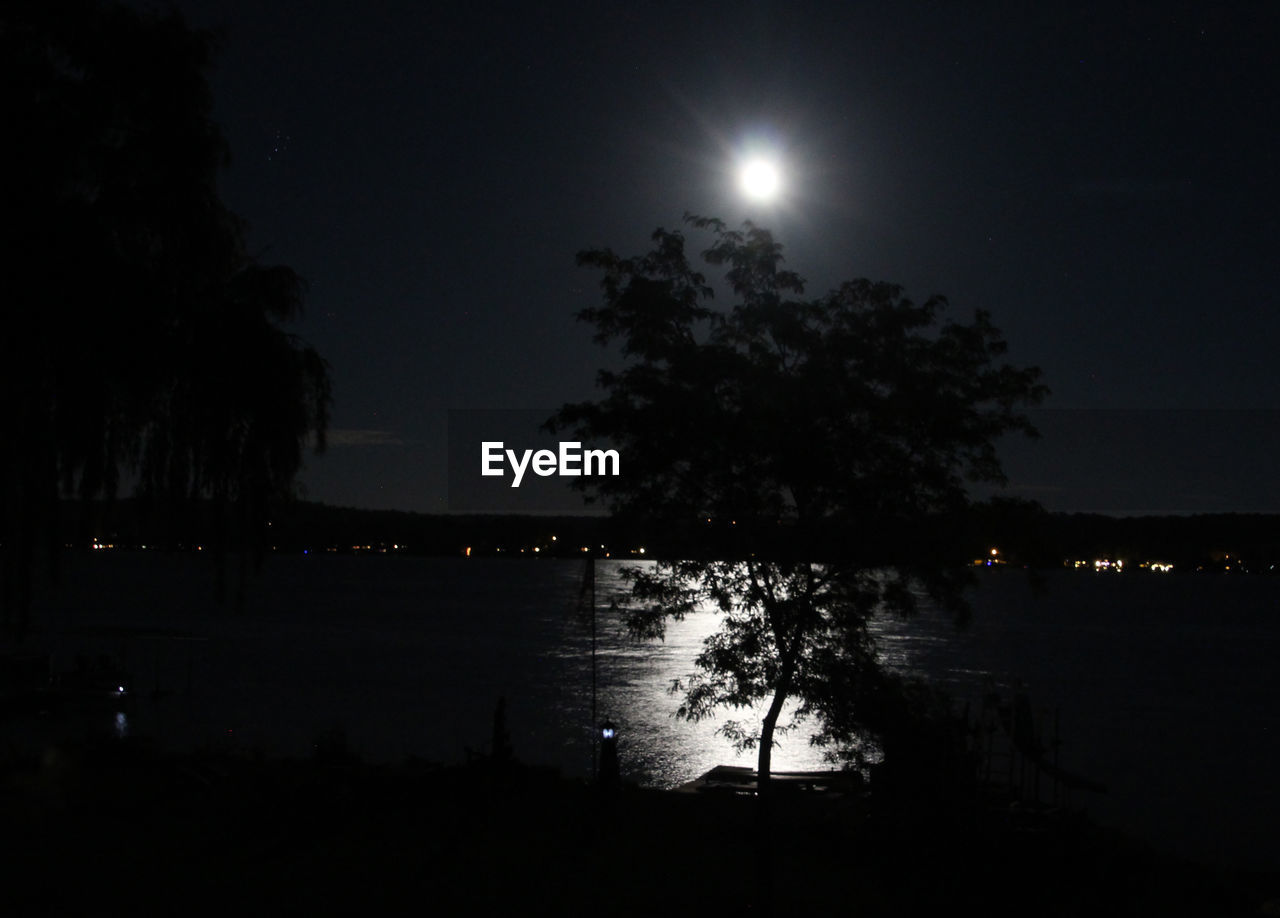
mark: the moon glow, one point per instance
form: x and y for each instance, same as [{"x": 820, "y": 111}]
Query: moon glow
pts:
[{"x": 759, "y": 179}]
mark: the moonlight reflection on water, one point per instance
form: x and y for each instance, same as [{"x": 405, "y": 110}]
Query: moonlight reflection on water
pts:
[{"x": 635, "y": 678}]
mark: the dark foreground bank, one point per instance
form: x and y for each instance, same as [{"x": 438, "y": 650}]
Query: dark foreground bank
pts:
[{"x": 116, "y": 829}]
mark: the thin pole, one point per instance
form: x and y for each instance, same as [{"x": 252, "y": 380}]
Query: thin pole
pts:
[
  {"x": 587, "y": 593},
  {"x": 595, "y": 729}
]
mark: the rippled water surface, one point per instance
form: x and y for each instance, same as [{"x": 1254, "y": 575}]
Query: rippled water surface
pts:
[{"x": 1164, "y": 685}]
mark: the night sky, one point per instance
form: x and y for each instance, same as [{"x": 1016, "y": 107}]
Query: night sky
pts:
[{"x": 1103, "y": 180}]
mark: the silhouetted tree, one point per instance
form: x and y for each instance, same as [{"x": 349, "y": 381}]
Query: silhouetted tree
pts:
[
  {"x": 822, "y": 448},
  {"x": 142, "y": 339}
]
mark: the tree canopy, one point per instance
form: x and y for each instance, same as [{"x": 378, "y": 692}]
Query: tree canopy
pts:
[
  {"x": 817, "y": 450},
  {"x": 144, "y": 342}
]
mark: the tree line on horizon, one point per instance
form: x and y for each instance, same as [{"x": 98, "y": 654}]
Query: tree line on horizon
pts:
[{"x": 1024, "y": 533}]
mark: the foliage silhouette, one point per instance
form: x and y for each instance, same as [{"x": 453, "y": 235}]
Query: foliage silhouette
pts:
[
  {"x": 816, "y": 451},
  {"x": 144, "y": 342}
]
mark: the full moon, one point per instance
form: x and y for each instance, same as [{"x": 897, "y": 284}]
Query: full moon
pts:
[{"x": 759, "y": 179}]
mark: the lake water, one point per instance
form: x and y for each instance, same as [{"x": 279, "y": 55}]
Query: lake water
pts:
[{"x": 1165, "y": 684}]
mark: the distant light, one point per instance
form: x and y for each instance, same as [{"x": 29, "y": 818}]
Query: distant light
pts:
[
  {"x": 994, "y": 552},
  {"x": 120, "y": 689},
  {"x": 642, "y": 549}
]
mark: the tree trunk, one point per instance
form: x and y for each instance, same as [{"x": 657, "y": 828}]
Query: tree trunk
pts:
[
  {"x": 765, "y": 757},
  {"x": 765, "y": 864}
]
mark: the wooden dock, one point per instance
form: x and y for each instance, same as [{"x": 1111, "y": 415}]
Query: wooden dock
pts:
[{"x": 741, "y": 781}]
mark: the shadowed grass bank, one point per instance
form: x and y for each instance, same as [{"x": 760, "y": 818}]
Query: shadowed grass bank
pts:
[{"x": 115, "y": 828}]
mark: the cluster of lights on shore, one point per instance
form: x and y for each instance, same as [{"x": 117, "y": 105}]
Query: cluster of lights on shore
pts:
[
  {"x": 537, "y": 550},
  {"x": 1117, "y": 565},
  {"x": 1096, "y": 564}
]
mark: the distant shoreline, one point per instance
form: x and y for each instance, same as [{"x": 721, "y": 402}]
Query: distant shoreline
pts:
[{"x": 1022, "y": 534}]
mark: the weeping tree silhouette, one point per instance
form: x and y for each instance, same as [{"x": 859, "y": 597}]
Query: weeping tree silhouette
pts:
[{"x": 143, "y": 342}]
